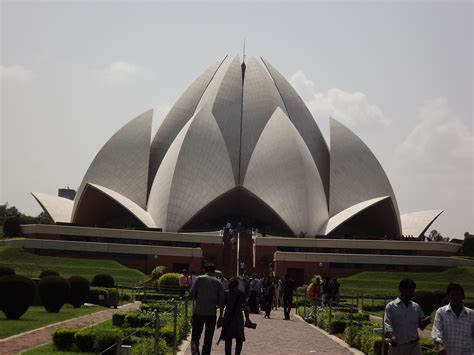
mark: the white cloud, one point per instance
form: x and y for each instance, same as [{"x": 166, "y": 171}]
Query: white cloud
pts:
[
  {"x": 439, "y": 139},
  {"x": 352, "y": 109},
  {"x": 120, "y": 72},
  {"x": 16, "y": 73}
]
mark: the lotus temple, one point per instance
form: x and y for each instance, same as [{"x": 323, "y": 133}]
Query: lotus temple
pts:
[{"x": 239, "y": 174}]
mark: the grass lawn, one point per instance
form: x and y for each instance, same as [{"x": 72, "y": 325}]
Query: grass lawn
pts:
[
  {"x": 49, "y": 349},
  {"x": 32, "y": 265},
  {"x": 36, "y": 317},
  {"x": 386, "y": 283}
]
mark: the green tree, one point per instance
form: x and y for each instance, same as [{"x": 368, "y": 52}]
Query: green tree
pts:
[{"x": 468, "y": 244}]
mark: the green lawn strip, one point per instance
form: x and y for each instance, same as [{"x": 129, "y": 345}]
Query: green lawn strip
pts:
[
  {"x": 386, "y": 283},
  {"x": 36, "y": 317},
  {"x": 32, "y": 265}
]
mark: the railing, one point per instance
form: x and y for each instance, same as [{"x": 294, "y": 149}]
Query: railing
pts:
[
  {"x": 353, "y": 308},
  {"x": 176, "y": 296}
]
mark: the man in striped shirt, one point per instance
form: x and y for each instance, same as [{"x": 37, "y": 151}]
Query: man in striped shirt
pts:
[
  {"x": 209, "y": 294},
  {"x": 453, "y": 329}
]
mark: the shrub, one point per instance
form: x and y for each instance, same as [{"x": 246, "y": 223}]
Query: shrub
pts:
[
  {"x": 85, "y": 340},
  {"x": 103, "y": 280},
  {"x": 16, "y": 295},
  {"x": 126, "y": 297},
  {"x": 6, "y": 271},
  {"x": 158, "y": 271},
  {"x": 63, "y": 338},
  {"x": 79, "y": 290},
  {"x": 147, "y": 346},
  {"x": 98, "y": 295},
  {"x": 427, "y": 300},
  {"x": 157, "y": 306},
  {"x": 54, "y": 292},
  {"x": 48, "y": 273},
  {"x": 118, "y": 319},
  {"x": 137, "y": 319},
  {"x": 170, "y": 279},
  {"x": 338, "y": 326},
  {"x": 105, "y": 338},
  {"x": 11, "y": 227}
]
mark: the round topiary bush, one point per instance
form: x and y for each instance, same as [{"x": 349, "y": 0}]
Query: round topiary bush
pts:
[
  {"x": 169, "y": 282},
  {"x": 16, "y": 295},
  {"x": 6, "y": 271},
  {"x": 79, "y": 290},
  {"x": 54, "y": 292},
  {"x": 48, "y": 273},
  {"x": 103, "y": 280}
]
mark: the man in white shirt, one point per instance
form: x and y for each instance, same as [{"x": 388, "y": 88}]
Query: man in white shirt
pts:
[
  {"x": 453, "y": 329},
  {"x": 403, "y": 317}
]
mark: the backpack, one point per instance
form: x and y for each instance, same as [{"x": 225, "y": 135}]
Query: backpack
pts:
[{"x": 310, "y": 291}]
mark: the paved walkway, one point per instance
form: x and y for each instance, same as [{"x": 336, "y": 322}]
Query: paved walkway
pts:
[
  {"x": 278, "y": 336},
  {"x": 21, "y": 342}
]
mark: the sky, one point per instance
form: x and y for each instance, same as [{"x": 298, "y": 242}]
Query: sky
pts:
[{"x": 399, "y": 74}]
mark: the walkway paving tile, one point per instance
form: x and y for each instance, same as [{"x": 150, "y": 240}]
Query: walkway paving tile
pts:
[
  {"x": 18, "y": 343},
  {"x": 276, "y": 336}
]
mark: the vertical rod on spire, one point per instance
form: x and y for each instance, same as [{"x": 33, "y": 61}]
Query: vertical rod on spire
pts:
[{"x": 243, "y": 55}]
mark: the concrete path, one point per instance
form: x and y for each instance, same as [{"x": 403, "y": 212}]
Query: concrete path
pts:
[
  {"x": 21, "y": 342},
  {"x": 277, "y": 336}
]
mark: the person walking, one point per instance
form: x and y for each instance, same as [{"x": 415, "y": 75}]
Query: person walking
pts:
[
  {"x": 192, "y": 278},
  {"x": 326, "y": 286},
  {"x": 183, "y": 282},
  {"x": 209, "y": 294},
  {"x": 314, "y": 292},
  {"x": 335, "y": 286},
  {"x": 288, "y": 286},
  {"x": 403, "y": 318},
  {"x": 233, "y": 322},
  {"x": 268, "y": 290},
  {"x": 453, "y": 328},
  {"x": 276, "y": 298},
  {"x": 253, "y": 297}
]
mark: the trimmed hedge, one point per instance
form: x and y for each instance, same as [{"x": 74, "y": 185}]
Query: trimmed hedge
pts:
[
  {"x": 118, "y": 319},
  {"x": 79, "y": 290},
  {"x": 107, "y": 295},
  {"x": 54, "y": 292},
  {"x": 6, "y": 271},
  {"x": 103, "y": 280},
  {"x": 63, "y": 338},
  {"x": 84, "y": 339},
  {"x": 157, "y": 306},
  {"x": 48, "y": 273},
  {"x": 147, "y": 346},
  {"x": 169, "y": 279},
  {"x": 17, "y": 293}
]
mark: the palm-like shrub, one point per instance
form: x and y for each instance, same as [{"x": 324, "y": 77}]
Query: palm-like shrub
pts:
[
  {"x": 48, "y": 273},
  {"x": 54, "y": 292},
  {"x": 79, "y": 290},
  {"x": 103, "y": 280},
  {"x": 16, "y": 295},
  {"x": 6, "y": 271}
]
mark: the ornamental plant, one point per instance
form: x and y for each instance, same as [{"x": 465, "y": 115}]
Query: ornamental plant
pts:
[
  {"x": 54, "y": 292},
  {"x": 16, "y": 295},
  {"x": 79, "y": 290}
]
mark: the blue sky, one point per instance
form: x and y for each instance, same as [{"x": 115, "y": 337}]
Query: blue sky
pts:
[{"x": 399, "y": 74}]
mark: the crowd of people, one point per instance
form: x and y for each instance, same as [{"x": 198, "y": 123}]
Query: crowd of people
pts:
[
  {"x": 234, "y": 299},
  {"x": 238, "y": 297}
]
